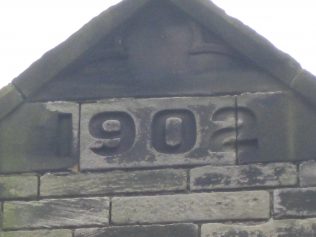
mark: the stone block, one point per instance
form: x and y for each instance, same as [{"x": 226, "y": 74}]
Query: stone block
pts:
[
  {"x": 37, "y": 233},
  {"x": 263, "y": 133},
  {"x": 284, "y": 228},
  {"x": 191, "y": 207},
  {"x": 176, "y": 230},
  {"x": 39, "y": 137},
  {"x": 242, "y": 38},
  {"x": 56, "y": 213},
  {"x": 304, "y": 83},
  {"x": 10, "y": 98},
  {"x": 298, "y": 202},
  {"x": 158, "y": 132},
  {"x": 308, "y": 174},
  {"x": 15, "y": 187},
  {"x": 227, "y": 177},
  {"x": 197, "y": 63},
  {"x": 55, "y": 61},
  {"x": 113, "y": 182},
  {"x": 303, "y": 130}
]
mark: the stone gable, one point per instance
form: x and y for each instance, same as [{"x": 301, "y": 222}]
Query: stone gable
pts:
[{"x": 160, "y": 118}]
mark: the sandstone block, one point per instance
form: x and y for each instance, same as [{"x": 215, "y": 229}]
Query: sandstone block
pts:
[
  {"x": 113, "y": 182},
  {"x": 308, "y": 174},
  {"x": 56, "y": 213},
  {"x": 176, "y": 230},
  {"x": 37, "y": 233},
  {"x": 284, "y": 228},
  {"x": 298, "y": 202},
  {"x": 271, "y": 175},
  {"x": 13, "y": 186},
  {"x": 191, "y": 207}
]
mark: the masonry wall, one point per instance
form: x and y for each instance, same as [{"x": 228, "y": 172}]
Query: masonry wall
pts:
[
  {"x": 276, "y": 199},
  {"x": 147, "y": 123},
  {"x": 243, "y": 190}
]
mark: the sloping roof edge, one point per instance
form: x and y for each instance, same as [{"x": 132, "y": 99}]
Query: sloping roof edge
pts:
[{"x": 239, "y": 36}]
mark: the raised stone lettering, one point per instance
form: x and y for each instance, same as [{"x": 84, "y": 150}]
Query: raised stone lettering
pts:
[
  {"x": 114, "y": 133},
  {"x": 247, "y": 134},
  {"x": 173, "y": 131},
  {"x": 129, "y": 133},
  {"x": 223, "y": 137}
]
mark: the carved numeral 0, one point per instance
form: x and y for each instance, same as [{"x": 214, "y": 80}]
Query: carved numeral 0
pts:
[{"x": 173, "y": 131}]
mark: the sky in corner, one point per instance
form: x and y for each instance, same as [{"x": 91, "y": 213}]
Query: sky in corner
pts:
[{"x": 30, "y": 28}]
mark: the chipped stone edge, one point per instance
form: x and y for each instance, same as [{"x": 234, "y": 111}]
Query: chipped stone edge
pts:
[
  {"x": 274, "y": 61},
  {"x": 55, "y": 60},
  {"x": 305, "y": 84},
  {"x": 10, "y": 98},
  {"x": 283, "y": 66},
  {"x": 251, "y": 44}
]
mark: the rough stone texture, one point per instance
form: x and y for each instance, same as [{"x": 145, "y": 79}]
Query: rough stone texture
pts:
[
  {"x": 301, "y": 125},
  {"x": 56, "y": 213},
  {"x": 295, "y": 202},
  {"x": 164, "y": 51},
  {"x": 242, "y": 38},
  {"x": 271, "y": 175},
  {"x": 191, "y": 207},
  {"x": 23, "y": 186},
  {"x": 304, "y": 83},
  {"x": 262, "y": 131},
  {"x": 284, "y": 228},
  {"x": 113, "y": 182},
  {"x": 177, "y": 230},
  {"x": 308, "y": 174},
  {"x": 38, "y": 137},
  {"x": 10, "y": 98},
  {"x": 45, "y": 69},
  {"x": 37, "y": 233},
  {"x": 197, "y": 63},
  {"x": 141, "y": 142}
]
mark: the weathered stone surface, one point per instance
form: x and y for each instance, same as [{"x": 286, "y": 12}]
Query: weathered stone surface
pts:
[
  {"x": 308, "y": 174},
  {"x": 113, "y": 182},
  {"x": 210, "y": 177},
  {"x": 284, "y": 228},
  {"x": 37, "y": 233},
  {"x": 295, "y": 202},
  {"x": 301, "y": 122},
  {"x": 23, "y": 186},
  {"x": 208, "y": 132},
  {"x": 197, "y": 63},
  {"x": 10, "y": 98},
  {"x": 38, "y": 137},
  {"x": 177, "y": 230},
  {"x": 54, "y": 61},
  {"x": 191, "y": 207},
  {"x": 56, "y": 213},
  {"x": 304, "y": 83},
  {"x": 242, "y": 38},
  {"x": 262, "y": 129}
]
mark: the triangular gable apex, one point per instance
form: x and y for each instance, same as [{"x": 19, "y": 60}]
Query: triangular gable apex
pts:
[{"x": 240, "y": 37}]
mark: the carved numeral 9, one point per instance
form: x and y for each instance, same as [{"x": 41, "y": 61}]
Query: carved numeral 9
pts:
[{"x": 114, "y": 131}]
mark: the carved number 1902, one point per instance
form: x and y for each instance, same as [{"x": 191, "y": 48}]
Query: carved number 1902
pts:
[{"x": 172, "y": 132}]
